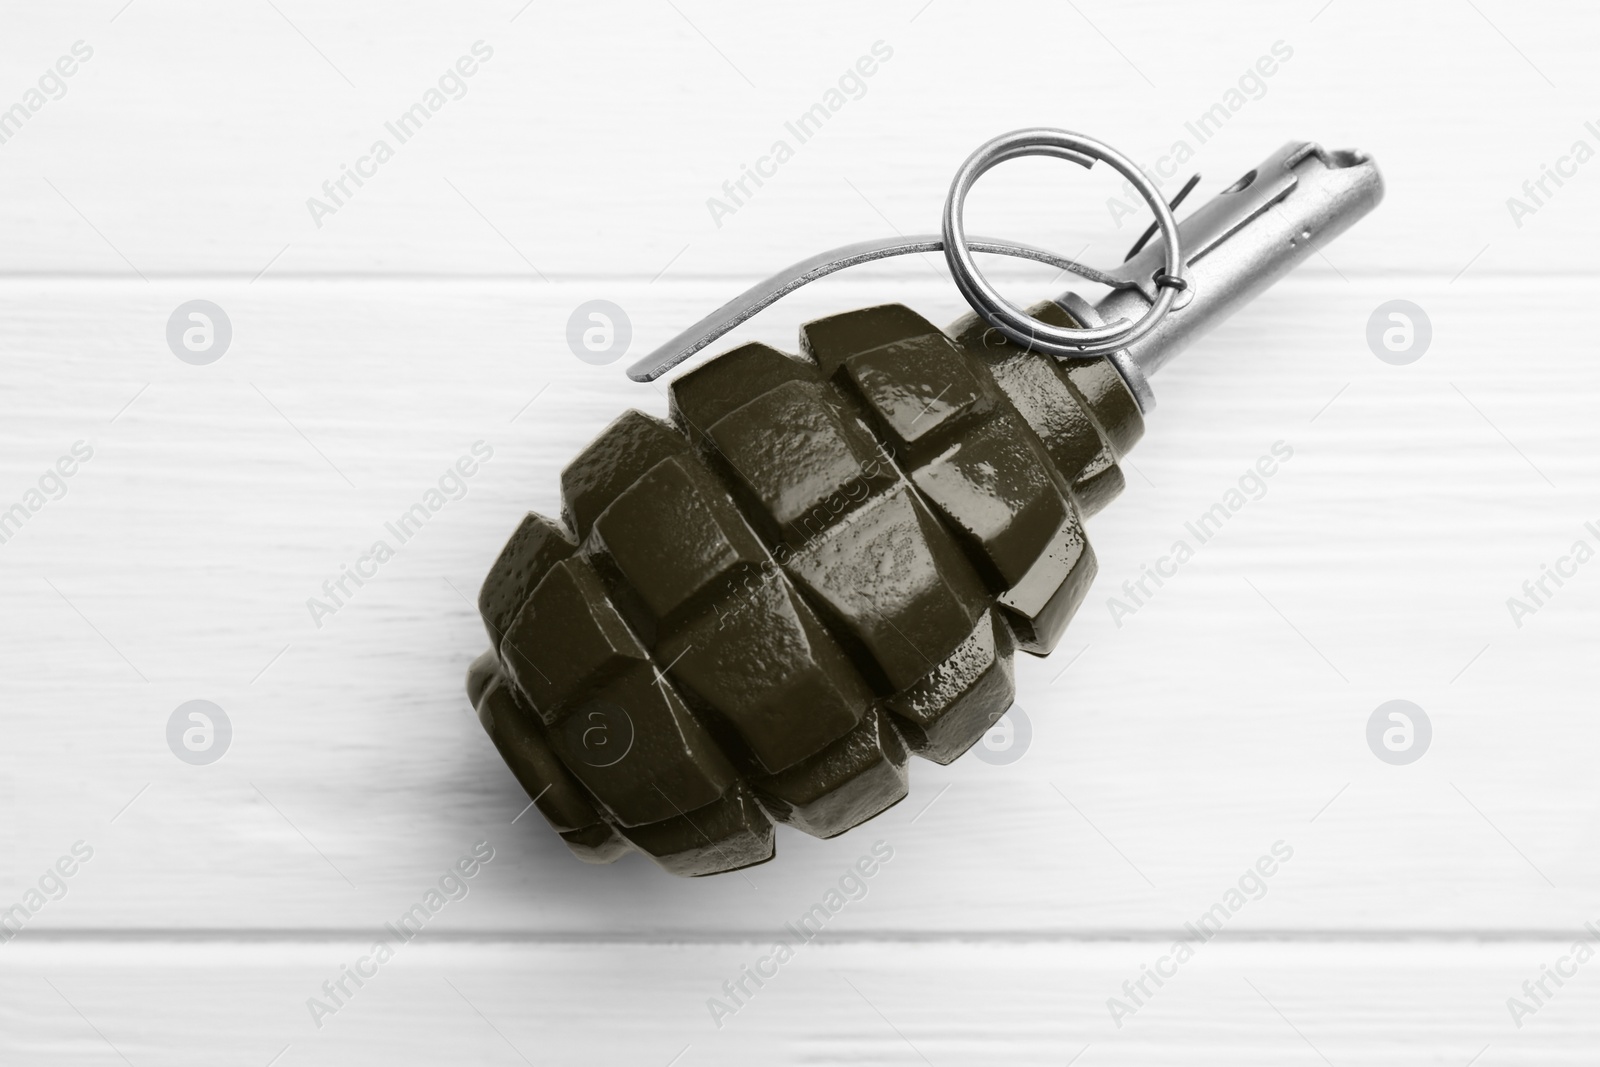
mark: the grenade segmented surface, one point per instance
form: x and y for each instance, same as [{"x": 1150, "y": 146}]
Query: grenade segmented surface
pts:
[{"x": 821, "y": 565}]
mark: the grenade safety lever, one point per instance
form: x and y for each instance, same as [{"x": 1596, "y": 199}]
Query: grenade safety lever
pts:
[
  {"x": 755, "y": 612},
  {"x": 1231, "y": 249}
]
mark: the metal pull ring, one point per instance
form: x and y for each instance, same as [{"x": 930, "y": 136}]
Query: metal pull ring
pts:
[
  {"x": 995, "y": 309},
  {"x": 1016, "y": 324}
]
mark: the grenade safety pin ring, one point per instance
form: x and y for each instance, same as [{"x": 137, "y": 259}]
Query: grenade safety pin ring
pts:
[
  {"x": 1010, "y": 320},
  {"x": 1005, "y": 316}
]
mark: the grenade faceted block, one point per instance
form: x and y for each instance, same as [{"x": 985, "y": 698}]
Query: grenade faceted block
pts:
[
  {"x": 756, "y": 612},
  {"x": 858, "y": 776},
  {"x": 957, "y": 700},
  {"x": 753, "y": 664}
]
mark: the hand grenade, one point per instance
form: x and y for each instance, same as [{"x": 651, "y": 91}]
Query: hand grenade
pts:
[{"x": 756, "y": 610}]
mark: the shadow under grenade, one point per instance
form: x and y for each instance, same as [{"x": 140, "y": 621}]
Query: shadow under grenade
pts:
[{"x": 821, "y": 564}]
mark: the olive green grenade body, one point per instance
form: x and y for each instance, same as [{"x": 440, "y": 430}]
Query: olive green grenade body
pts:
[
  {"x": 823, "y": 564},
  {"x": 756, "y": 612}
]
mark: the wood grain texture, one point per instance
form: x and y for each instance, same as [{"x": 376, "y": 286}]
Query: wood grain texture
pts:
[
  {"x": 591, "y": 141},
  {"x": 880, "y": 1003},
  {"x": 1170, "y": 749},
  {"x": 1203, "y": 728}
]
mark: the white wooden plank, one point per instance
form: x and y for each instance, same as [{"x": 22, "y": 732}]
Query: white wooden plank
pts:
[
  {"x": 1190, "y": 739},
  {"x": 590, "y": 143},
  {"x": 873, "y": 1003}
]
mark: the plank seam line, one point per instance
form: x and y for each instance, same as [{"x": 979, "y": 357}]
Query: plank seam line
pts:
[
  {"x": 689, "y": 939},
  {"x": 739, "y": 280}
]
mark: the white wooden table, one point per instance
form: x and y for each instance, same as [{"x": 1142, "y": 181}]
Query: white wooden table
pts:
[{"x": 429, "y": 312}]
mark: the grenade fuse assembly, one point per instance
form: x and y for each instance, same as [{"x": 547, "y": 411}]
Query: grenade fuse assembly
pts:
[{"x": 756, "y": 611}]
